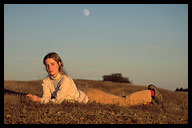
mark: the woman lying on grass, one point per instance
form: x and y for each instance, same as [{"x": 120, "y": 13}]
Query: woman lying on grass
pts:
[{"x": 59, "y": 86}]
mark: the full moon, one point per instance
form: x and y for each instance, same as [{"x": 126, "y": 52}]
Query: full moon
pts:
[{"x": 86, "y": 12}]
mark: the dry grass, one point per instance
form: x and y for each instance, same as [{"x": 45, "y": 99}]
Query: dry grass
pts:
[{"x": 18, "y": 110}]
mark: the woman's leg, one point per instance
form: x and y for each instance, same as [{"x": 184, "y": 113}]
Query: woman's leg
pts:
[
  {"x": 98, "y": 96},
  {"x": 136, "y": 98},
  {"x": 139, "y": 97}
]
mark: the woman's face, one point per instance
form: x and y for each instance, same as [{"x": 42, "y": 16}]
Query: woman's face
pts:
[{"x": 52, "y": 67}]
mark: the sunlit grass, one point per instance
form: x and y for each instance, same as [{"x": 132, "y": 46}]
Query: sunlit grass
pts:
[{"x": 17, "y": 109}]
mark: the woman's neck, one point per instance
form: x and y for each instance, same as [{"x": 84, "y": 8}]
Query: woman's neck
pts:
[{"x": 55, "y": 76}]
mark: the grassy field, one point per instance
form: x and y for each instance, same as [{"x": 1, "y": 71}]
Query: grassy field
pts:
[{"x": 18, "y": 110}]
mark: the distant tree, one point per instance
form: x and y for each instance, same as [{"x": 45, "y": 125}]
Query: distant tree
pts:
[
  {"x": 116, "y": 77},
  {"x": 181, "y": 89}
]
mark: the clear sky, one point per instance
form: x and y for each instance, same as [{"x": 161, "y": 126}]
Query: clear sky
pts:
[{"x": 147, "y": 43}]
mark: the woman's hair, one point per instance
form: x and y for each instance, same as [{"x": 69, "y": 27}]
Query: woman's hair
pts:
[{"x": 56, "y": 57}]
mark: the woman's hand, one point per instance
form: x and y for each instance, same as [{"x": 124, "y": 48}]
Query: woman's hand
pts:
[{"x": 33, "y": 98}]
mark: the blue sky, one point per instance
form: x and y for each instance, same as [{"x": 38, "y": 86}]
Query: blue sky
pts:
[{"x": 147, "y": 43}]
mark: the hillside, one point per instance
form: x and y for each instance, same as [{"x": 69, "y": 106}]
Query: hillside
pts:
[{"x": 17, "y": 109}]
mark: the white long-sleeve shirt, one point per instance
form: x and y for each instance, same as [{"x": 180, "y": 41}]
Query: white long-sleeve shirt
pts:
[{"x": 61, "y": 88}]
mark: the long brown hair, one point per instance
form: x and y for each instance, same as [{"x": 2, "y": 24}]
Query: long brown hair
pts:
[{"x": 57, "y": 58}]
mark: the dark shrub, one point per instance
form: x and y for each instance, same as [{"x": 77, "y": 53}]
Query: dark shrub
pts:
[{"x": 116, "y": 77}]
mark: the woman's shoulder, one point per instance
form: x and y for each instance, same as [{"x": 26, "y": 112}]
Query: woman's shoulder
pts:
[
  {"x": 45, "y": 78},
  {"x": 65, "y": 76}
]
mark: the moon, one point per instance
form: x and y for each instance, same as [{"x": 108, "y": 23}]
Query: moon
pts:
[{"x": 86, "y": 12}]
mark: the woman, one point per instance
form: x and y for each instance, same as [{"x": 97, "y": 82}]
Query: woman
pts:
[{"x": 59, "y": 86}]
